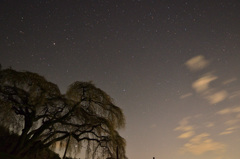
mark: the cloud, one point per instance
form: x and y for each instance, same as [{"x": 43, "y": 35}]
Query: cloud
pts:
[
  {"x": 185, "y": 95},
  {"x": 197, "y": 63},
  {"x": 186, "y": 135},
  {"x": 232, "y": 122},
  {"x": 217, "y": 97},
  {"x": 184, "y": 125},
  {"x": 184, "y": 128},
  {"x": 210, "y": 124},
  {"x": 229, "y": 110},
  {"x": 235, "y": 94},
  {"x": 228, "y": 131},
  {"x": 229, "y": 81},
  {"x": 202, "y": 84},
  {"x": 201, "y": 144}
]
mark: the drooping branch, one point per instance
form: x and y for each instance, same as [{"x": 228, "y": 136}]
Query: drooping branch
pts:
[{"x": 85, "y": 111}]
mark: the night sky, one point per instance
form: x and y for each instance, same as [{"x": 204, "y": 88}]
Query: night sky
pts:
[{"x": 172, "y": 66}]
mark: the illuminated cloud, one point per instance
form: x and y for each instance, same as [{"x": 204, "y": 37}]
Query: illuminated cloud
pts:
[
  {"x": 202, "y": 84},
  {"x": 186, "y": 135},
  {"x": 229, "y": 110},
  {"x": 224, "y": 111},
  {"x": 197, "y": 63},
  {"x": 184, "y": 128},
  {"x": 228, "y": 131},
  {"x": 235, "y": 94},
  {"x": 210, "y": 124},
  {"x": 184, "y": 125},
  {"x": 185, "y": 95},
  {"x": 229, "y": 81},
  {"x": 201, "y": 144},
  {"x": 217, "y": 97},
  {"x": 199, "y": 138},
  {"x": 232, "y": 122}
]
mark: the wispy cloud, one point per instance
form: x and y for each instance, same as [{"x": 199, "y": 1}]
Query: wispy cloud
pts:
[
  {"x": 217, "y": 97},
  {"x": 185, "y": 95},
  {"x": 231, "y": 122},
  {"x": 188, "y": 130},
  {"x": 210, "y": 124},
  {"x": 198, "y": 144},
  {"x": 201, "y": 144},
  {"x": 229, "y": 110},
  {"x": 231, "y": 80},
  {"x": 212, "y": 93},
  {"x": 197, "y": 63},
  {"x": 184, "y": 125},
  {"x": 215, "y": 89},
  {"x": 187, "y": 134},
  {"x": 202, "y": 84},
  {"x": 235, "y": 94},
  {"x": 228, "y": 131}
]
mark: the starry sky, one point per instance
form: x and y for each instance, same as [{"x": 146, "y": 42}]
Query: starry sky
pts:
[{"x": 173, "y": 66}]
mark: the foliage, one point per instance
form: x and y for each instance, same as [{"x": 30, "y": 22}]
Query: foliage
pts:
[{"x": 42, "y": 116}]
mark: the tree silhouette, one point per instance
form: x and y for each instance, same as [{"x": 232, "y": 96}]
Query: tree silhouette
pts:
[{"x": 42, "y": 116}]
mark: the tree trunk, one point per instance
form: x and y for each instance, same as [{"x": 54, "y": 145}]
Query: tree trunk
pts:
[
  {"x": 64, "y": 156},
  {"x": 22, "y": 138},
  {"x": 117, "y": 153}
]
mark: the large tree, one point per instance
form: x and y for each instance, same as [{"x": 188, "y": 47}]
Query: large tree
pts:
[{"x": 42, "y": 116}]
